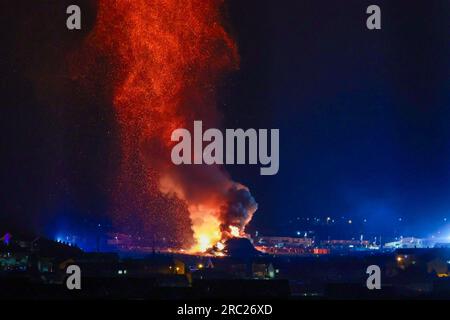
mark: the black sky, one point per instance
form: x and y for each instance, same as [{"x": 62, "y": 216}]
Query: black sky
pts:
[{"x": 363, "y": 115}]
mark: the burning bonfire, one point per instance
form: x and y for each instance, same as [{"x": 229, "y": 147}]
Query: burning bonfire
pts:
[{"x": 164, "y": 60}]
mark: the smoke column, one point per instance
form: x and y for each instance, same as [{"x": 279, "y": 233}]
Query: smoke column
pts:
[{"x": 164, "y": 59}]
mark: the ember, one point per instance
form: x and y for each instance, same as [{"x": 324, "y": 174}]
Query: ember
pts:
[{"x": 164, "y": 61}]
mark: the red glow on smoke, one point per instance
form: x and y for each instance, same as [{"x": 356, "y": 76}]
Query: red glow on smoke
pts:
[{"x": 164, "y": 59}]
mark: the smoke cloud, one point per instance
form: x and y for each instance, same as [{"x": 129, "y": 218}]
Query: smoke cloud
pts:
[{"x": 162, "y": 63}]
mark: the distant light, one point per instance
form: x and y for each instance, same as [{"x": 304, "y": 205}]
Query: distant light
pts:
[
  {"x": 298, "y": 233},
  {"x": 399, "y": 259},
  {"x": 7, "y": 238},
  {"x": 400, "y": 219},
  {"x": 200, "y": 266},
  {"x": 349, "y": 221},
  {"x": 119, "y": 272}
]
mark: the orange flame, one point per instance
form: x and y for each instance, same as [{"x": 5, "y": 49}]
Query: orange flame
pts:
[{"x": 234, "y": 231}]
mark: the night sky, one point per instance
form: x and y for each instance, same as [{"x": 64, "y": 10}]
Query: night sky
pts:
[{"x": 363, "y": 115}]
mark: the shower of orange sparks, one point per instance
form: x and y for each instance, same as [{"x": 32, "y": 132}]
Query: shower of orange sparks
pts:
[{"x": 166, "y": 58}]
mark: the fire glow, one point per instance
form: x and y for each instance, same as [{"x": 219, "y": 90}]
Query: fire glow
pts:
[{"x": 164, "y": 62}]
